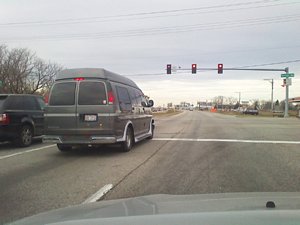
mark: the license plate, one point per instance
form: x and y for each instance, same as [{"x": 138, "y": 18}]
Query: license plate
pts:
[{"x": 90, "y": 118}]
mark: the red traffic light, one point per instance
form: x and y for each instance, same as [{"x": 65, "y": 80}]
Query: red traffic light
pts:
[
  {"x": 169, "y": 68},
  {"x": 220, "y": 68},
  {"x": 194, "y": 68}
]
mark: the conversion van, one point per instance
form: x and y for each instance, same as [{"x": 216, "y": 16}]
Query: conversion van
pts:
[{"x": 95, "y": 106}]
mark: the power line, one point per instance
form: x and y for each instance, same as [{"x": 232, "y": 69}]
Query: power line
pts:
[
  {"x": 270, "y": 64},
  {"x": 170, "y": 29},
  {"x": 122, "y": 16}
]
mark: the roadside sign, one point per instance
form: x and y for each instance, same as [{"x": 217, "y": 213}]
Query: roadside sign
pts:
[{"x": 287, "y": 75}]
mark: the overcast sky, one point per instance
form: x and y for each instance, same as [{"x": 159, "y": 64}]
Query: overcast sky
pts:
[{"x": 137, "y": 38}]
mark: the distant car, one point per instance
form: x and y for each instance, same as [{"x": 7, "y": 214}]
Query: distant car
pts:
[
  {"x": 21, "y": 118},
  {"x": 251, "y": 111}
]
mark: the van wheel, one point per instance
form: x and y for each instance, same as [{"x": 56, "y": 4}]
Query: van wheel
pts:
[
  {"x": 24, "y": 138},
  {"x": 64, "y": 148},
  {"x": 126, "y": 146},
  {"x": 152, "y": 132}
]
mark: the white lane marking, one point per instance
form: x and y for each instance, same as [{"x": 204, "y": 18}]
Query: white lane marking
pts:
[
  {"x": 31, "y": 150},
  {"x": 227, "y": 140},
  {"x": 99, "y": 194}
]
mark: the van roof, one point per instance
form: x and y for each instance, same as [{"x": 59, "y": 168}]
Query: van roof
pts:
[{"x": 94, "y": 73}]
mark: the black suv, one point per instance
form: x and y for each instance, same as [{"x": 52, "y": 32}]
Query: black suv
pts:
[{"x": 21, "y": 118}]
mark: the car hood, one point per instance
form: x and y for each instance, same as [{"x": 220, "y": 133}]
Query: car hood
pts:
[{"x": 222, "y": 208}]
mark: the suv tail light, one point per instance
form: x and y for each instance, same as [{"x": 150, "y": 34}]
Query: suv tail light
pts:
[
  {"x": 46, "y": 98},
  {"x": 111, "y": 98},
  {"x": 4, "y": 119}
]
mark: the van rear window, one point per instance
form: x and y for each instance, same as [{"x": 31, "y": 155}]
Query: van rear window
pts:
[
  {"x": 63, "y": 94},
  {"x": 92, "y": 93}
]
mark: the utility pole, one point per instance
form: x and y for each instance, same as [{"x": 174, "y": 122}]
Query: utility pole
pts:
[
  {"x": 239, "y": 97},
  {"x": 286, "y": 108},
  {"x": 272, "y": 86}
]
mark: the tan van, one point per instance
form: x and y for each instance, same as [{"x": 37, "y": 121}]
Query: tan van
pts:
[{"x": 94, "y": 106}]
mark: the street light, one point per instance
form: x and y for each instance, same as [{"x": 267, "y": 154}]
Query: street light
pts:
[{"x": 272, "y": 88}]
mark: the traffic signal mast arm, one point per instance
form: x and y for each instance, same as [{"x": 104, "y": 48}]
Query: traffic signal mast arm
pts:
[
  {"x": 245, "y": 69},
  {"x": 220, "y": 69}
]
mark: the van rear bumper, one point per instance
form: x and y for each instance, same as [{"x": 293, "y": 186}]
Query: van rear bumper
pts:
[{"x": 78, "y": 140}]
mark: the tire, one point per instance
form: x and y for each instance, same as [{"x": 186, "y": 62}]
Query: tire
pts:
[
  {"x": 24, "y": 138},
  {"x": 126, "y": 146},
  {"x": 152, "y": 132},
  {"x": 64, "y": 148}
]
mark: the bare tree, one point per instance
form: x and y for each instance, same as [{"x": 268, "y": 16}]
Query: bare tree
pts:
[
  {"x": 42, "y": 76},
  {"x": 218, "y": 99},
  {"x": 3, "y": 76},
  {"x": 21, "y": 71},
  {"x": 19, "y": 65},
  {"x": 231, "y": 100}
]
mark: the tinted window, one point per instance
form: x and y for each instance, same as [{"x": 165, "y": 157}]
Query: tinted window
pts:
[
  {"x": 139, "y": 97},
  {"x": 63, "y": 94},
  {"x": 92, "y": 93},
  {"x": 41, "y": 103},
  {"x": 124, "y": 99},
  {"x": 133, "y": 96},
  {"x": 15, "y": 103},
  {"x": 29, "y": 103},
  {"x": 2, "y": 100}
]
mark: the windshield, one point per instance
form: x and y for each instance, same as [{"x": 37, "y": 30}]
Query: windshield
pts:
[{"x": 224, "y": 77}]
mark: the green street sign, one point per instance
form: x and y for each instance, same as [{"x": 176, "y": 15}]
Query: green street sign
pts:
[{"x": 287, "y": 75}]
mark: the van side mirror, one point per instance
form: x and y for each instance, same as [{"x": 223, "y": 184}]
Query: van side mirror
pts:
[
  {"x": 150, "y": 103},
  {"x": 144, "y": 104}
]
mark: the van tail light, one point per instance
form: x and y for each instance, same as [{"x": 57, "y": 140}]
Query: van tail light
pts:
[
  {"x": 4, "y": 119},
  {"x": 78, "y": 78},
  {"x": 111, "y": 97}
]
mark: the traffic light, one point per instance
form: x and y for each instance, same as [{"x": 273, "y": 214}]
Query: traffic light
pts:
[
  {"x": 220, "y": 68},
  {"x": 194, "y": 68},
  {"x": 169, "y": 68},
  {"x": 284, "y": 82}
]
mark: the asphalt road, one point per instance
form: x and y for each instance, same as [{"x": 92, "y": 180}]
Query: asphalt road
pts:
[{"x": 192, "y": 152}]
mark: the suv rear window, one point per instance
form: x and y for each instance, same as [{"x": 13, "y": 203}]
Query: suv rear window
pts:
[
  {"x": 63, "y": 94},
  {"x": 29, "y": 103},
  {"x": 92, "y": 93},
  {"x": 15, "y": 103}
]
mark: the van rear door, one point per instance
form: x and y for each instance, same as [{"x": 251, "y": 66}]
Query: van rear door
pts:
[
  {"x": 93, "y": 110},
  {"x": 60, "y": 114}
]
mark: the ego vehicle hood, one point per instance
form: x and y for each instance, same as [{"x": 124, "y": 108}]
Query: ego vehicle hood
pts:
[{"x": 225, "y": 209}]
